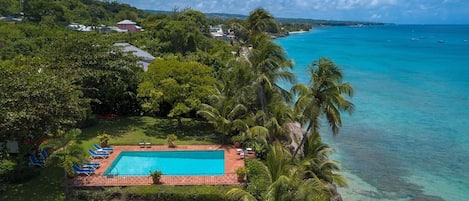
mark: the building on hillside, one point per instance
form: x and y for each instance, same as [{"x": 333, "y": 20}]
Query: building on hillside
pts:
[
  {"x": 129, "y": 25},
  {"x": 145, "y": 57},
  {"x": 217, "y": 33},
  {"x": 80, "y": 27}
]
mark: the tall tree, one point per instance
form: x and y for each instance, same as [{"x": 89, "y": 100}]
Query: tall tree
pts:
[
  {"x": 286, "y": 181},
  {"x": 326, "y": 95},
  {"x": 107, "y": 76},
  {"x": 317, "y": 164},
  {"x": 270, "y": 65},
  {"x": 181, "y": 85},
  {"x": 259, "y": 21},
  {"x": 225, "y": 115},
  {"x": 35, "y": 101}
]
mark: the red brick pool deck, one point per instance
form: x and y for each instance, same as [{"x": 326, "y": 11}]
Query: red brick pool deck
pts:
[{"x": 232, "y": 162}]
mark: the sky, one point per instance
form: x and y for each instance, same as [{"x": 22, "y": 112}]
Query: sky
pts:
[{"x": 388, "y": 11}]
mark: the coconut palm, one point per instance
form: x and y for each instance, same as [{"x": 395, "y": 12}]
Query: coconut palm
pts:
[
  {"x": 225, "y": 115},
  {"x": 259, "y": 21},
  {"x": 326, "y": 95},
  {"x": 286, "y": 180},
  {"x": 236, "y": 82},
  {"x": 270, "y": 65},
  {"x": 316, "y": 164},
  {"x": 316, "y": 161},
  {"x": 281, "y": 114}
]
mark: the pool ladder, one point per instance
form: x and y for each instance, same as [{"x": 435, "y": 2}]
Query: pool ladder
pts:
[{"x": 117, "y": 172}]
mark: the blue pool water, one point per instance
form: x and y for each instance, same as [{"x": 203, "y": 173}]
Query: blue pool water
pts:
[
  {"x": 408, "y": 138},
  {"x": 171, "y": 163}
]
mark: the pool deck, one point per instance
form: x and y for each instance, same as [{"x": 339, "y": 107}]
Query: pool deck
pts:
[{"x": 232, "y": 162}]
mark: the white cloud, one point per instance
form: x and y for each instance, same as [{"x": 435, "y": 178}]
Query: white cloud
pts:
[
  {"x": 375, "y": 16},
  {"x": 386, "y": 10}
]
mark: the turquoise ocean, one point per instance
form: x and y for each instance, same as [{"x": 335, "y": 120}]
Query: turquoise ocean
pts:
[{"x": 408, "y": 138}]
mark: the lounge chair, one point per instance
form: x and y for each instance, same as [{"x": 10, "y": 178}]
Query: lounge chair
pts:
[
  {"x": 100, "y": 149},
  {"x": 44, "y": 154},
  {"x": 36, "y": 162},
  {"x": 242, "y": 155},
  {"x": 85, "y": 171},
  {"x": 148, "y": 144},
  {"x": 142, "y": 144},
  {"x": 94, "y": 155},
  {"x": 93, "y": 165}
]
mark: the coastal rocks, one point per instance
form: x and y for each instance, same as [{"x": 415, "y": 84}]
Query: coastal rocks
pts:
[
  {"x": 296, "y": 134},
  {"x": 335, "y": 194}
]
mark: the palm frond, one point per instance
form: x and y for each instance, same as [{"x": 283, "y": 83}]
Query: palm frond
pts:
[{"x": 239, "y": 195}]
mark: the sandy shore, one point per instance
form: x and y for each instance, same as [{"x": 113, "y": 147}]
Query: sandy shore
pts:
[{"x": 297, "y": 32}]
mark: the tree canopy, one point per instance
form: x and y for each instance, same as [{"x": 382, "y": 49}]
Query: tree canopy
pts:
[
  {"x": 36, "y": 102},
  {"x": 182, "y": 86}
]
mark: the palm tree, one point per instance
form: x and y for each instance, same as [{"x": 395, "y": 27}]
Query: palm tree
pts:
[
  {"x": 259, "y": 21},
  {"x": 317, "y": 164},
  {"x": 326, "y": 95},
  {"x": 226, "y": 115},
  {"x": 236, "y": 82},
  {"x": 65, "y": 154},
  {"x": 286, "y": 181},
  {"x": 281, "y": 114},
  {"x": 267, "y": 60},
  {"x": 270, "y": 65}
]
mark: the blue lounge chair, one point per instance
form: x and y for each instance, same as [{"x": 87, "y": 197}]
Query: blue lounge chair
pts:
[
  {"x": 93, "y": 165},
  {"x": 44, "y": 154},
  {"x": 94, "y": 155},
  {"x": 100, "y": 149},
  {"x": 35, "y": 162},
  {"x": 85, "y": 171}
]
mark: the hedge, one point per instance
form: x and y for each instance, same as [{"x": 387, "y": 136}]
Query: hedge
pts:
[{"x": 154, "y": 193}]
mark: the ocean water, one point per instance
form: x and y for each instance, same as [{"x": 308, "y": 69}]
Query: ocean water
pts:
[{"x": 408, "y": 138}]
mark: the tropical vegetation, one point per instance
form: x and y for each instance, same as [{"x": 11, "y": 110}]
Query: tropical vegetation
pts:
[{"x": 55, "y": 81}]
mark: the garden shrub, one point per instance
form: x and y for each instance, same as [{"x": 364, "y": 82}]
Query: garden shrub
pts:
[
  {"x": 25, "y": 174},
  {"x": 258, "y": 178},
  {"x": 6, "y": 170},
  {"x": 155, "y": 193}
]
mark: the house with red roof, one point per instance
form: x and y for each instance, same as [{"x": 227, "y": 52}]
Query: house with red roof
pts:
[{"x": 129, "y": 25}]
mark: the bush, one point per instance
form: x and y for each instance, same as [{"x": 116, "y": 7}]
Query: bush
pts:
[
  {"x": 241, "y": 172},
  {"x": 103, "y": 139},
  {"x": 171, "y": 138},
  {"x": 258, "y": 178},
  {"x": 23, "y": 175},
  {"x": 156, "y": 176},
  {"x": 156, "y": 193},
  {"x": 6, "y": 169},
  {"x": 91, "y": 120}
]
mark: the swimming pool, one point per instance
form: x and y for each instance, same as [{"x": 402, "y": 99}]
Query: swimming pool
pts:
[{"x": 171, "y": 163}]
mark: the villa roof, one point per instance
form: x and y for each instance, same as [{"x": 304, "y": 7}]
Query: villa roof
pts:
[
  {"x": 126, "y": 22},
  {"x": 145, "y": 57}
]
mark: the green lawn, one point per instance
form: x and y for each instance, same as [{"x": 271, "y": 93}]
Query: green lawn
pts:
[
  {"x": 124, "y": 131},
  {"x": 46, "y": 186},
  {"x": 132, "y": 130}
]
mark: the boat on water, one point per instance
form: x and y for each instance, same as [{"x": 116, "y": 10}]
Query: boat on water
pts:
[{"x": 441, "y": 41}]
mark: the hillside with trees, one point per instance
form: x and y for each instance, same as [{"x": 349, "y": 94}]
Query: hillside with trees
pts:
[{"x": 55, "y": 80}]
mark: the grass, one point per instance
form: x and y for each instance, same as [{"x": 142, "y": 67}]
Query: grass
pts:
[
  {"x": 124, "y": 131},
  {"x": 46, "y": 186},
  {"x": 132, "y": 130}
]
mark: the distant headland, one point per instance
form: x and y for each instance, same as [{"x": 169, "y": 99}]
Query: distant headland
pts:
[{"x": 314, "y": 22}]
